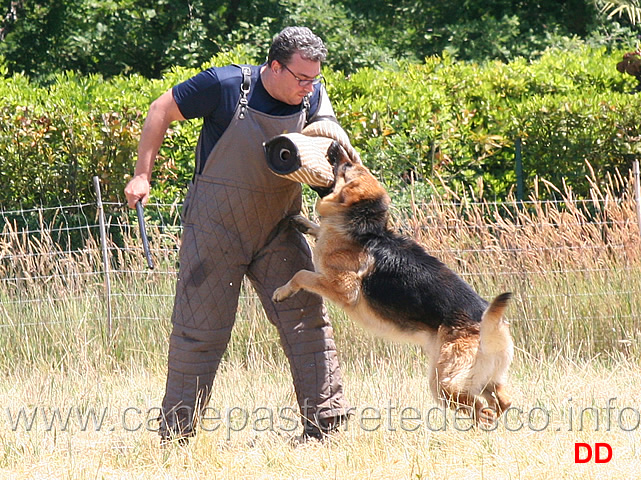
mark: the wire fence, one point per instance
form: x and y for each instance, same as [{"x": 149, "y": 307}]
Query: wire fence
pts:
[{"x": 579, "y": 260}]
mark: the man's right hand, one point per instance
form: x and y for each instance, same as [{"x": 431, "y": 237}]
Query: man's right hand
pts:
[{"x": 137, "y": 189}]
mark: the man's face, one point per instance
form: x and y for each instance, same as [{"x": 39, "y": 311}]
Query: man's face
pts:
[{"x": 288, "y": 88}]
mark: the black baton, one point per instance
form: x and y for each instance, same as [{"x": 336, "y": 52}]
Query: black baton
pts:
[{"x": 143, "y": 234}]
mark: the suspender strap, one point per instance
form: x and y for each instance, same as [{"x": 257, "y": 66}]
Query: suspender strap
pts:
[
  {"x": 245, "y": 85},
  {"x": 307, "y": 107}
]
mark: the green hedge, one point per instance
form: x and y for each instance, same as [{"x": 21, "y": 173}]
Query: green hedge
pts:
[
  {"x": 455, "y": 120},
  {"x": 460, "y": 120}
]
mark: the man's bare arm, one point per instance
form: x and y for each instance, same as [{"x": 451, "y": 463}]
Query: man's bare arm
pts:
[{"x": 162, "y": 112}]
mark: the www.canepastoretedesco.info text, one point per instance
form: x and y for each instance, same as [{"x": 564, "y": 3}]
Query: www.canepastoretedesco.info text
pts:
[{"x": 571, "y": 417}]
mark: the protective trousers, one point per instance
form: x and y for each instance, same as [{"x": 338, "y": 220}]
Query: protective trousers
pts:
[{"x": 233, "y": 227}]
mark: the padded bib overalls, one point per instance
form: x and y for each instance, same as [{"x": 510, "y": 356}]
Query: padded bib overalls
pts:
[{"x": 232, "y": 228}]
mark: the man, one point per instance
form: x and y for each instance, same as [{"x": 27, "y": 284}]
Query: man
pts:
[{"x": 232, "y": 218}]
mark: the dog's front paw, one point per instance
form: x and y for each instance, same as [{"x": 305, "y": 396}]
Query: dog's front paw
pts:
[
  {"x": 282, "y": 293},
  {"x": 303, "y": 224}
]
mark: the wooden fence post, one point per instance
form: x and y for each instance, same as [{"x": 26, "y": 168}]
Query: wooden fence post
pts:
[
  {"x": 105, "y": 257},
  {"x": 637, "y": 191},
  {"x": 518, "y": 159}
]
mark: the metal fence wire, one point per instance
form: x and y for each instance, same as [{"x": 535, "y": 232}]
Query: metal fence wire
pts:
[{"x": 93, "y": 253}]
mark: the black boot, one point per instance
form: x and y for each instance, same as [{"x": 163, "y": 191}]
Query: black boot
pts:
[{"x": 322, "y": 428}]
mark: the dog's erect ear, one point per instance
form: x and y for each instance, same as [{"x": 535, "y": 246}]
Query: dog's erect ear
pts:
[
  {"x": 350, "y": 193},
  {"x": 354, "y": 184}
]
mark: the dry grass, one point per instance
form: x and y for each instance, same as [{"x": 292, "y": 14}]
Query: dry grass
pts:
[
  {"x": 378, "y": 449},
  {"x": 573, "y": 266}
]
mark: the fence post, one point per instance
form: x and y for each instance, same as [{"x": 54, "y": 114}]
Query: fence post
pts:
[
  {"x": 518, "y": 159},
  {"x": 105, "y": 258},
  {"x": 637, "y": 191}
]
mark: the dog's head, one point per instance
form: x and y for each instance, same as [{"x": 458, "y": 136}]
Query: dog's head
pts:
[{"x": 356, "y": 195}]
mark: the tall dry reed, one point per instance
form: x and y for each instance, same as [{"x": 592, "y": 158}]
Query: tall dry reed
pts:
[{"x": 573, "y": 265}]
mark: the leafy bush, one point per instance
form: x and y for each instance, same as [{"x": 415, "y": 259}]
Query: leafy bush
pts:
[
  {"x": 413, "y": 122},
  {"x": 53, "y": 140},
  {"x": 459, "y": 120}
]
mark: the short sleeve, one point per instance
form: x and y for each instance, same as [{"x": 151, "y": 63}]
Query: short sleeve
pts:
[{"x": 198, "y": 96}]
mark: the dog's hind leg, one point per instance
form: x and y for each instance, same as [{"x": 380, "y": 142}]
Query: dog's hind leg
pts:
[
  {"x": 497, "y": 398},
  {"x": 482, "y": 413},
  {"x": 471, "y": 404}
]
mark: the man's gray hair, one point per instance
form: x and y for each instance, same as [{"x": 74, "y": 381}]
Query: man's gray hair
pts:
[{"x": 299, "y": 40}]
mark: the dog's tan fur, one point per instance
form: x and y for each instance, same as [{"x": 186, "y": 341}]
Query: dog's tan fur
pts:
[{"x": 469, "y": 358}]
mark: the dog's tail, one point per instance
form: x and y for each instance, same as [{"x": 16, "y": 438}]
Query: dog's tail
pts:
[{"x": 495, "y": 332}]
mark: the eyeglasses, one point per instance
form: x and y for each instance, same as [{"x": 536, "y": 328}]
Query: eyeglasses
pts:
[{"x": 304, "y": 83}]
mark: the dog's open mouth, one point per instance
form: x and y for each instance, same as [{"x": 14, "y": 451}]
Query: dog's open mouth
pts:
[{"x": 337, "y": 157}]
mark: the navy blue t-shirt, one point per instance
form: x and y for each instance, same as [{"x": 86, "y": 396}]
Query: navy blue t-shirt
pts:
[{"x": 213, "y": 95}]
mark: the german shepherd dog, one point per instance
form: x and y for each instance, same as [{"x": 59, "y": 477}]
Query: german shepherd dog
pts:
[{"x": 391, "y": 286}]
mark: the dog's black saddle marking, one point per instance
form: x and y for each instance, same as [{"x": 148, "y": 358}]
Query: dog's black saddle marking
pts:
[
  {"x": 415, "y": 289},
  {"x": 407, "y": 285}
]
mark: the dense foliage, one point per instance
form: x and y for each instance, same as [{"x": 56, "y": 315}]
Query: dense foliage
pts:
[
  {"x": 415, "y": 122},
  {"x": 426, "y": 89},
  {"x": 460, "y": 120},
  {"x": 112, "y": 37}
]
